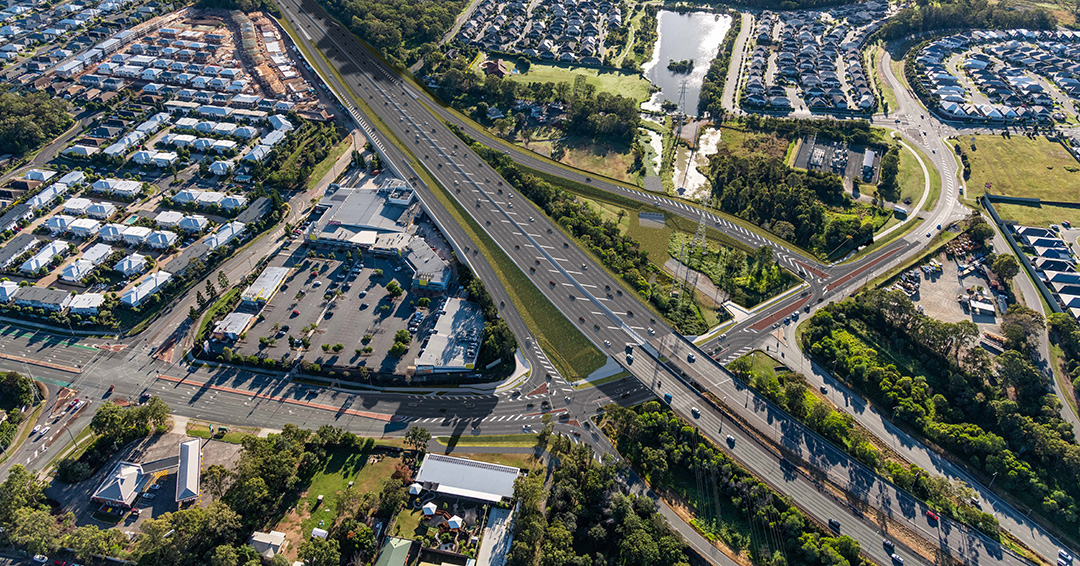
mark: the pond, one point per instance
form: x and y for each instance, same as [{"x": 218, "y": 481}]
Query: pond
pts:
[{"x": 682, "y": 37}]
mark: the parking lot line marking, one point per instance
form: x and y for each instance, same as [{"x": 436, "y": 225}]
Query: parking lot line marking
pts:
[{"x": 280, "y": 399}]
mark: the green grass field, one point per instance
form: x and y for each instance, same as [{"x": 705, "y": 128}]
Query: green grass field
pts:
[
  {"x": 1043, "y": 215},
  {"x": 1021, "y": 167},
  {"x": 341, "y": 467},
  {"x": 886, "y": 93},
  {"x": 499, "y": 440},
  {"x": 609, "y": 160},
  {"x": 625, "y": 83},
  {"x": 320, "y": 170},
  {"x": 234, "y": 436},
  {"x": 910, "y": 179},
  {"x": 763, "y": 364}
]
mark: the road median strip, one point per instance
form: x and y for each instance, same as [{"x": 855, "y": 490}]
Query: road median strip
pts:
[
  {"x": 278, "y": 398},
  {"x": 41, "y": 363}
]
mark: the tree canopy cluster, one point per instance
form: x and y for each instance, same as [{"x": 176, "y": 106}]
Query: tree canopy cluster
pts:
[
  {"x": 498, "y": 340},
  {"x": 16, "y": 392},
  {"x": 1067, "y": 334},
  {"x": 710, "y": 101},
  {"x": 997, "y": 414},
  {"x": 271, "y": 474},
  {"x": 927, "y": 16},
  {"x": 808, "y": 208},
  {"x": 748, "y": 278},
  {"x": 114, "y": 426},
  {"x": 588, "y": 521},
  {"x": 589, "y": 114},
  {"x": 674, "y": 455},
  {"x": 29, "y": 120},
  {"x": 402, "y": 30},
  {"x": 789, "y": 390},
  {"x": 619, "y": 252}
]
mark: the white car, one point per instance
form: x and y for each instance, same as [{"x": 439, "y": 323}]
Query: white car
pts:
[
  {"x": 40, "y": 558},
  {"x": 45, "y": 430},
  {"x": 36, "y": 430}
]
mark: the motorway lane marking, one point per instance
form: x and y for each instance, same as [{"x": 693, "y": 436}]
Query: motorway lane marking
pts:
[{"x": 278, "y": 398}]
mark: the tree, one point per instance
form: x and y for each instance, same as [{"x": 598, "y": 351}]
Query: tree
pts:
[
  {"x": 193, "y": 313},
  {"x": 403, "y": 336},
  {"x": 320, "y": 552},
  {"x": 393, "y": 288},
  {"x": 21, "y": 489},
  {"x": 223, "y": 280},
  {"x": 981, "y": 231},
  {"x": 89, "y": 541},
  {"x": 224, "y": 555},
  {"x": 35, "y": 530},
  {"x": 211, "y": 291},
  {"x": 398, "y": 349},
  {"x": 417, "y": 438},
  {"x": 1005, "y": 266},
  {"x": 216, "y": 480}
]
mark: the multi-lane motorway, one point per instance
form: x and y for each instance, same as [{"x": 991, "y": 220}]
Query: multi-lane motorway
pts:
[
  {"x": 609, "y": 315},
  {"x": 561, "y": 270}
]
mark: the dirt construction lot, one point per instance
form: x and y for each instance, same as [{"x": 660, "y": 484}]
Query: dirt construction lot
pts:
[{"x": 937, "y": 295}]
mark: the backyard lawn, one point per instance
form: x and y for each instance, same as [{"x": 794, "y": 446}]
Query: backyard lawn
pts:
[{"x": 1021, "y": 167}]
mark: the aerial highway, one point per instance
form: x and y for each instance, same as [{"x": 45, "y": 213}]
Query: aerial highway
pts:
[{"x": 561, "y": 270}]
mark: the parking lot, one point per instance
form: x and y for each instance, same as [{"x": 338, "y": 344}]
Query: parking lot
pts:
[
  {"x": 822, "y": 154},
  {"x": 330, "y": 302},
  {"x": 937, "y": 295}
]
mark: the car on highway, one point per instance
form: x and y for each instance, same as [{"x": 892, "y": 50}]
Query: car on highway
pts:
[
  {"x": 694, "y": 411},
  {"x": 691, "y": 357},
  {"x": 932, "y": 516},
  {"x": 897, "y": 559},
  {"x": 526, "y": 428},
  {"x": 730, "y": 440},
  {"x": 45, "y": 431},
  {"x": 834, "y": 525},
  {"x": 888, "y": 545},
  {"x": 36, "y": 430},
  {"x": 667, "y": 398},
  {"x": 1062, "y": 555}
]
